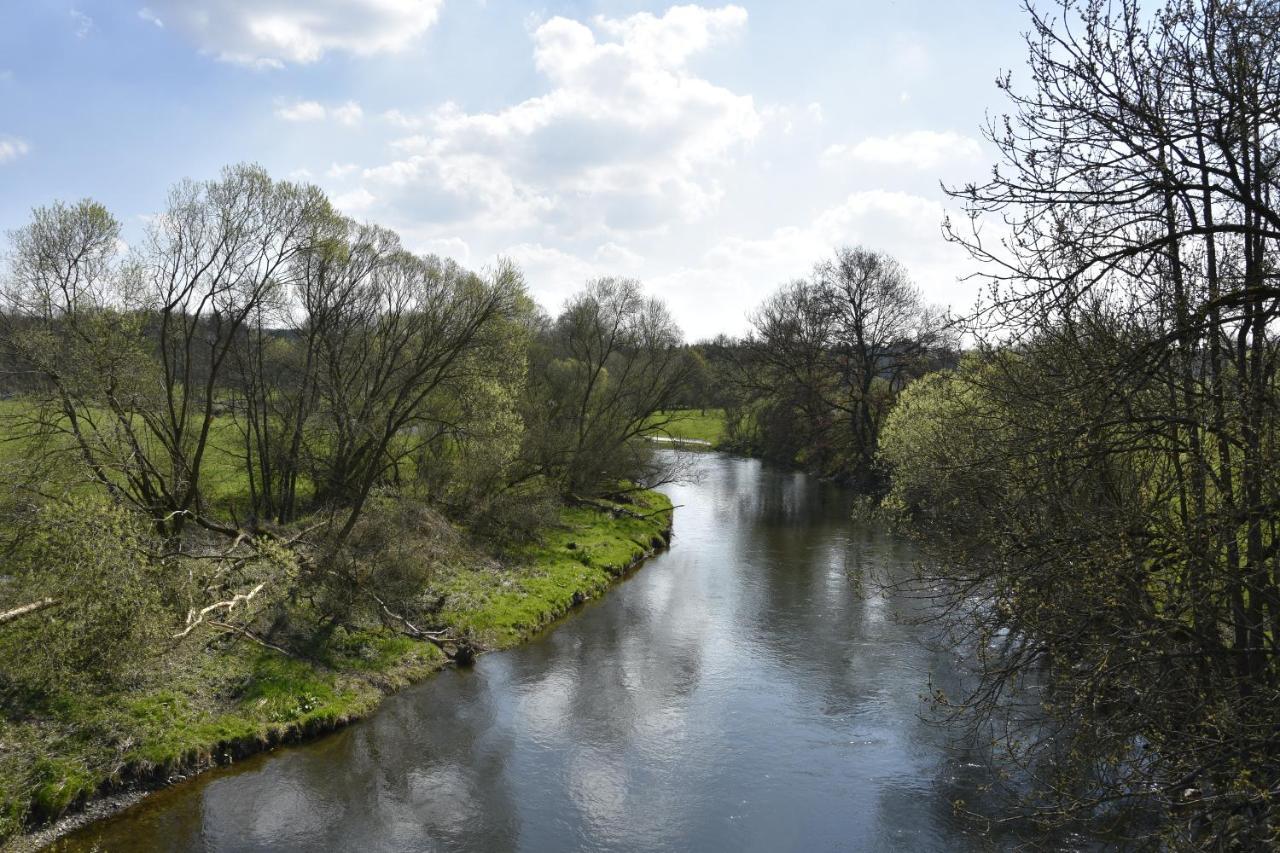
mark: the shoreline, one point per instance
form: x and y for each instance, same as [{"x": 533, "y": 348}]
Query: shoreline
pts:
[{"x": 628, "y": 537}]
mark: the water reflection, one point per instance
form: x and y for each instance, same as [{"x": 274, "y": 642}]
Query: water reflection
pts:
[{"x": 752, "y": 689}]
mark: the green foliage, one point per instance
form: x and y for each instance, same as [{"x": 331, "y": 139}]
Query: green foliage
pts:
[
  {"x": 93, "y": 560},
  {"x": 933, "y": 439},
  {"x": 392, "y": 555},
  {"x": 247, "y": 456},
  {"x": 577, "y": 559},
  {"x": 198, "y": 704},
  {"x": 517, "y": 515}
]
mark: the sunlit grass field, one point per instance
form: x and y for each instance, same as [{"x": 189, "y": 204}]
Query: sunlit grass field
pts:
[{"x": 696, "y": 424}]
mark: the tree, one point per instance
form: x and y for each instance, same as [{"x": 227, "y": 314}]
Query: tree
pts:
[
  {"x": 86, "y": 563},
  {"x": 416, "y": 327},
  {"x": 827, "y": 356},
  {"x": 1129, "y": 555},
  {"x": 131, "y": 356},
  {"x": 610, "y": 362}
]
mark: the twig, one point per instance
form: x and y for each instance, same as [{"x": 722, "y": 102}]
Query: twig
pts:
[{"x": 236, "y": 629}]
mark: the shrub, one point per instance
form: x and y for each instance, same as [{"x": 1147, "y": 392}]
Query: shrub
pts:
[{"x": 93, "y": 560}]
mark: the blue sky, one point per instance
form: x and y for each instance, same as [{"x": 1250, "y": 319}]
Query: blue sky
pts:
[{"x": 711, "y": 151}]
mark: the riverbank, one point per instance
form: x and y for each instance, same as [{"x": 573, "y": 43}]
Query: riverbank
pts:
[
  {"x": 757, "y": 687},
  {"x": 201, "y": 707}
]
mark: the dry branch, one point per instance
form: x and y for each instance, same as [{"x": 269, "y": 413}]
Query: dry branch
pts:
[
  {"x": 194, "y": 618},
  {"x": 26, "y": 609}
]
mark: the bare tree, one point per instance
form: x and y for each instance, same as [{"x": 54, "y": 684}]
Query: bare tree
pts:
[
  {"x": 133, "y": 354},
  {"x": 1131, "y": 551}
]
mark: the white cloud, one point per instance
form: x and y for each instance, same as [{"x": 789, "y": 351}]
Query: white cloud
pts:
[
  {"x": 150, "y": 17},
  {"x": 272, "y": 33},
  {"x": 553, "y": 275},
  {"x": 302, "y": 111},
  {"x": 354, "y": 202},
  {"x": 83, "y": 23},
  {"x": 617, "y": 258},
  {"x": 341, "y": 170},
  {"x": 446, "y": 247},
  {"x": 742, "y": 272},
  {"x": 625, "y": 137},
  {"x": 11, "y": 148},
  {"x": 628, "y": 160},
  {"x": 456, "y": 188},
  {"x": 919, "y": 149},
  {"x": 348, "y": 114},
  {"x": 399, "y": 119}
]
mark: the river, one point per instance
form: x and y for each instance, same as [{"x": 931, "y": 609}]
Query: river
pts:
[{"x": 752, "y": 688}]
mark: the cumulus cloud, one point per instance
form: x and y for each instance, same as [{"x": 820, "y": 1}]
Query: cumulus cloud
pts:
[
  {"x": 449, "y": 187},
  {"x": 553, "y": 274},
  {"x": 341, "y": 170},
  {"x": 302, "y": 111},
  {"x": 743, "y": 271},
  {"x": 446, "y": 247},
  {"x": 11, "y": 148},
  {"x": 354, "y": 202},
  {"x": 349, "y": 113},
  {"x": 272, "y": 33},
  {"x": 625, "y": 137},
  {"x": 919, "y": 149},
  {"x": 616, "y": 257}
]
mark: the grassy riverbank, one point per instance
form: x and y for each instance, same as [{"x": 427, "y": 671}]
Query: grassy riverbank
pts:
[{"x": 199, "y": 706}]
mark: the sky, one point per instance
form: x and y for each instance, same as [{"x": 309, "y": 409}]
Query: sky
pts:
[{"x": 713, "y": 152}]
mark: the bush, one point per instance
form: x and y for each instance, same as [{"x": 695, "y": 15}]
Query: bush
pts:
[
  {"x": 393, "y": 553},
  {"x": 515, "y": 517},
  {"x": 92, "y": 559}
]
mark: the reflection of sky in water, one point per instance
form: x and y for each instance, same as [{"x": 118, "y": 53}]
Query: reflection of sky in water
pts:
[{"x": 751, "y": 689}]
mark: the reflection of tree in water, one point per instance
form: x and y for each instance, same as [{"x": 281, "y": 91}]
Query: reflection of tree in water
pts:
[
  {"x": 653, "y": 659},
  {"x": 408, "y": 779},
  {"x": 834, "y": 623}
]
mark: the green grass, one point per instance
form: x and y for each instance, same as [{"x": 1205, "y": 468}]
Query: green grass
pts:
[
  {"x": 224, "y": 481},
  {"x": 698, "y": 424},
  {"x": 199, "y": 706},
  {"x": 577, "y": 560}
]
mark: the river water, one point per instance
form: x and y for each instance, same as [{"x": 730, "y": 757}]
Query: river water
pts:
[{"x": 752, "y": 688}]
